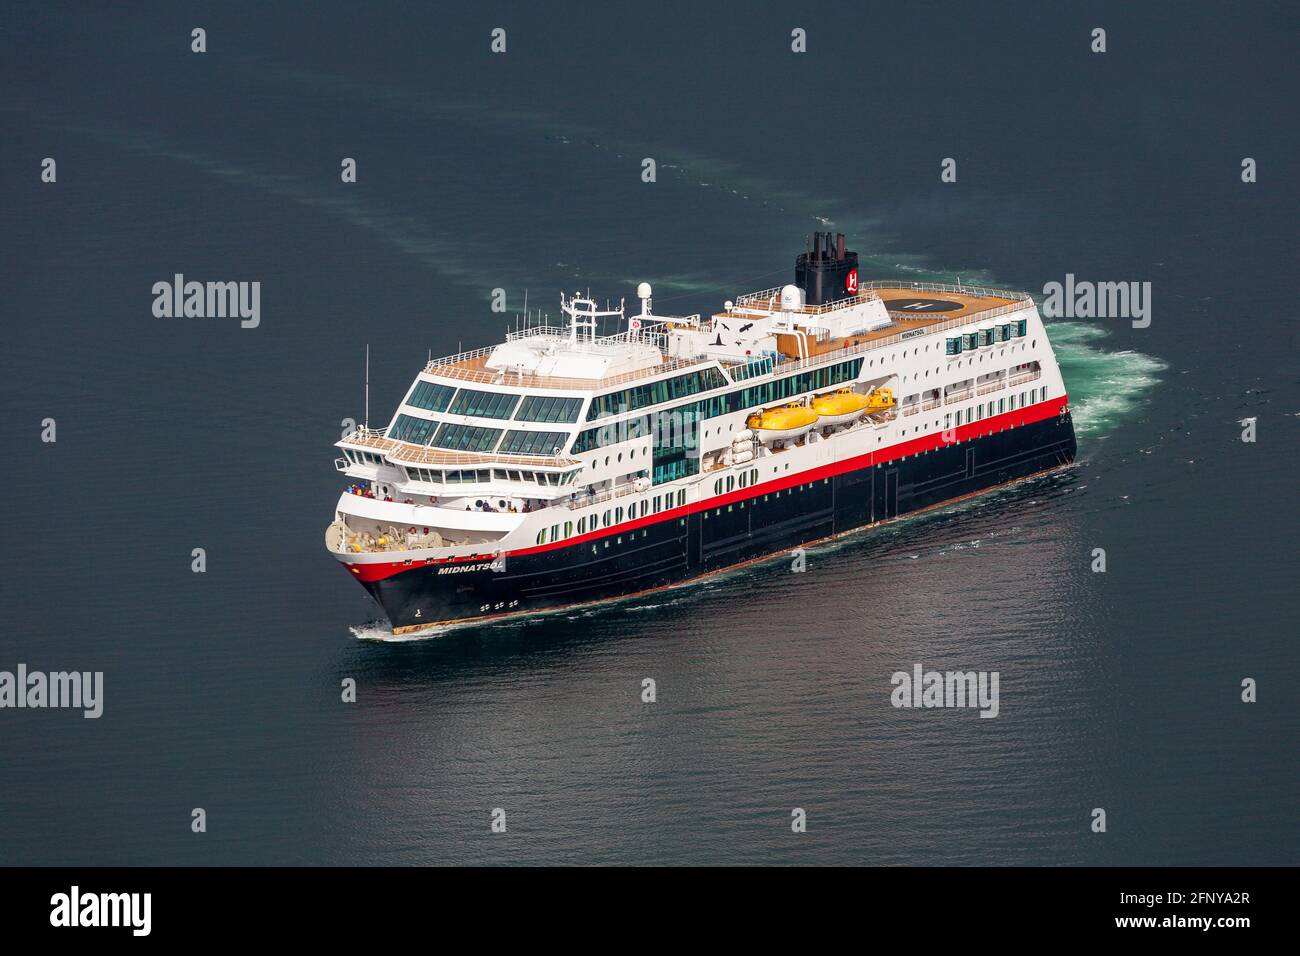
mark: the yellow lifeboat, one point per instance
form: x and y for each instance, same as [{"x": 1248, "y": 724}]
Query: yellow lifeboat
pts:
[
  {"x": 840, "y": 406},
  {"x": 782, "y": 423}
]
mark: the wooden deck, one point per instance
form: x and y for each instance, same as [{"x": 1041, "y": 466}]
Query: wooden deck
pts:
[{"x": 968, "y": 306}]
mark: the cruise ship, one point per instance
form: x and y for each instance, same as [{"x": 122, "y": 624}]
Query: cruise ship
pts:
[{"x": 620, "y": 453}]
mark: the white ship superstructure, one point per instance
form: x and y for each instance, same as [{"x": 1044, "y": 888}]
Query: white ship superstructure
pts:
[{"x": 520, "y": 467}]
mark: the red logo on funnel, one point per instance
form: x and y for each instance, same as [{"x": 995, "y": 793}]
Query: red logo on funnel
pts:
[{"x": 851, "y": 281}]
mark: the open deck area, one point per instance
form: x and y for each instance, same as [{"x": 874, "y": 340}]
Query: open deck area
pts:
[
  {"x": 407, "y": 453},
  {"x": 915, "y": 307}
]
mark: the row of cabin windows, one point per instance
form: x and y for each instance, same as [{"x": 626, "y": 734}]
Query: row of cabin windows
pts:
[
  {"x": 740, "y": 505},
  {"x": 970, "y": 341},
  {"x": 990, "y": 408},
  {"x": 363, "y": 457},
  {"x": 471, "y": 476},
  {"x": 965, "y": 385},
  {"x": 746, "y": 479},
  {"x": 677, "y": 425},
  {"x": 534, "y": 408},
  {"x": 612, "y": 516}
]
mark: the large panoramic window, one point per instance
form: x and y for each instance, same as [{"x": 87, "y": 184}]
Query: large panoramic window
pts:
[
  {"x": 484, "y": 404},
  {"x": 410, "y": 429},
  {"x": 654, "y": 393},
  {"x": 433, "y": 397},
  {"x": 466, "y": 438},
  {"x": 548, "y": 408},
  {"x": 533, "y": 443}
]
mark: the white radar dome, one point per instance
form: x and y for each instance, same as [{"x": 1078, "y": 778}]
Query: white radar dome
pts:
[
  {"x": 791, "y": 298},
  {"x": 643, "y": 290}
]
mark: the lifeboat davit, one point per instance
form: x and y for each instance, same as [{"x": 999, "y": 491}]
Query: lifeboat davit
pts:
[
  {"x": 880, "y": 400},
  {"x": 783, "y": 423},
  {"x": 840, "y": 406}
]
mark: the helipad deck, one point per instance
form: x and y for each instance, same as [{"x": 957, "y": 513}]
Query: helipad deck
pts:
[{"x": 918, "y": 307}]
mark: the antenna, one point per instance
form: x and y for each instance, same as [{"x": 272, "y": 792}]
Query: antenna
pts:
[{"x": 367, "y": 386}]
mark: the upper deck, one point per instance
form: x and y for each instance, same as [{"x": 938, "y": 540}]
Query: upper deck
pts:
[
  {"x": 913, "y": 308},
  {"x": 917, "y": 308}
]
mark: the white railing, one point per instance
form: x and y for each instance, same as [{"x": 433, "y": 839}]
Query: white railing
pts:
[
  {"x": 770, "y": 301},
  {"x": 958, "y": 396},
  {"x": 1024, "y": 377},
  {"x": 990, "y": 387},
  {"x": 583, "y": 501},
  {"x": 982, "y": 292},
  {"x": 888, "y": 341}
]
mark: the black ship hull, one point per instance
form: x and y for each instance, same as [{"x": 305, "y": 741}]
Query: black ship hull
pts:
[{"x": 677, "y": 546}]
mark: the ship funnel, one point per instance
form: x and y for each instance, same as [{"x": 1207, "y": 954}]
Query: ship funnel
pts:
[{"x": 828, "y": 271}]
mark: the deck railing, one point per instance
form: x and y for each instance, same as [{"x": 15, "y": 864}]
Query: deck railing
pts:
[{"x": 584, "y": 501}]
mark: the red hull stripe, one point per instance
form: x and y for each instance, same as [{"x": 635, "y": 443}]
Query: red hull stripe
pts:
[{"x": 1021, "y": 416}]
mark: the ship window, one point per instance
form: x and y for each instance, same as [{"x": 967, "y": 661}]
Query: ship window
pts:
[
  {"x": 548, "y": 408},
  {"x": 1004, "y": 332},
  {"x": 645, "y": 507},
  {"x": 654, "y": 393},
  {"x": 717, "y": 487},
  {"x": 1002, "y": 402},
  {"x": 744, "y": 479},
  {"x": 953, "y": 345},
  {"x": 618, "y": 515},
  {"x": 731, "y": 482},
  {"x": 415, "y": 430},
  {"x": 541, "y": 536},
  {"x": 605, "y": 519},
  {"x": 970, "y": 341},
  {"x": 466, "y": 437},
  {"x": 533, "y": 443},
  {"x": 1022, "y": 327},
  {"x": 555, "y": 532},
  {"x": 484, "y": 404},
  {"x": 568, "y": 528},
  {"x": 582, "y": 526},
  {"x": 431, "y": 397},
  {"x": 681, "y": 498},
  {"x": 753, "y": 475}
]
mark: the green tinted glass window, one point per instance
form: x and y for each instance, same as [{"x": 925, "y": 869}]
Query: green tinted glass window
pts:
[
  {"x": 484, "y": 404},
  {"x": 466, "y": 438},
  {"x": 548, "y": 408}
]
